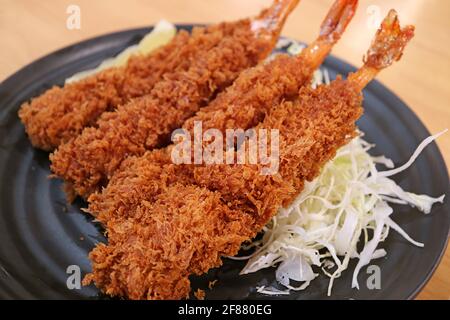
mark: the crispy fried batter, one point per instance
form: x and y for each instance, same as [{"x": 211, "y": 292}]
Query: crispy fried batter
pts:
[
  {"x": 152, "y": 259},
  {"x": 255, "y": 91},
  {"x": 200, "y": 294},
  {"x": 142, "y": 178},
  {"x": 311, "y": 129},
  {"x": 139, "y": 179},
  {"x": 88, "y": 161},
  {"x": 188, "y": 228},
  {"x": 241, "y": 106},
  {"x": 61, "y": 113}
]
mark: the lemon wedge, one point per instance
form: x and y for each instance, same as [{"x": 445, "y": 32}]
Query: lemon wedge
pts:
[{"x": 162, "y": 34}]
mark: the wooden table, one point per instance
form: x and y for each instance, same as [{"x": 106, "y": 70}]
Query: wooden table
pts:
[{"x": 30, "y": 29}]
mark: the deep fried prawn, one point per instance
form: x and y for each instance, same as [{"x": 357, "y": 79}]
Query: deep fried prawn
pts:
[
  {"x": 87, "y": 162},
  {"x": 187, "y": 229}
]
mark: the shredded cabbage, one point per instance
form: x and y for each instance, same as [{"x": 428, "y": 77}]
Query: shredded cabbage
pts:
[
  {"x": 163, "y": 32},
  {"x": 333, "y": 213}
]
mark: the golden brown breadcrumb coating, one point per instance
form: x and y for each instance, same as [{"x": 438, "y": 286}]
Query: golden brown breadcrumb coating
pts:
[
  {"x": 311, "y": 129},
  {"x": 152, "y": 259},
  {"x": 88, "y": 161},
  {"x": 142, "y": 178},
  {"x": 240, "y": 106},
  {"x": 61, "y": 113},
  {"x": 186, "y": 229}
]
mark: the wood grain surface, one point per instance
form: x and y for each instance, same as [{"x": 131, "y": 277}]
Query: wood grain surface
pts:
[{"x": 30, "y": 29}]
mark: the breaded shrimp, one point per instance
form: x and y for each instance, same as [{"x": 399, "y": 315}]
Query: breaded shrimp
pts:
[
  {"x": 123, "y": 267},
  {"x": 242, "y": 105},
  {"x": 61, "y": 113},
  {"x": 88, "y": 161},
  {"x": 187, "y": 229},
  {"x": 311, "y": 129}
]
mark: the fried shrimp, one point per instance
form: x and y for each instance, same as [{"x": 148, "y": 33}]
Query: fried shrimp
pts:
[
  {"x": 87, "y": 162},
  {"x": 61, "y": 113},
  {"x": 242, "y": 105},
  {"x": 187, "y": 229},
  {"x": 311, "y": 129}
]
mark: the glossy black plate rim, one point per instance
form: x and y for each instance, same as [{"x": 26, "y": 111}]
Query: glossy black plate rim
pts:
[{"x": 97, "y": 46}]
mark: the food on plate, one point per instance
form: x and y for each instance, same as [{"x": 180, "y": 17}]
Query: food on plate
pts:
[
  {"x": 243, "y": 105},
  {"x": 161, "y": 35},
  {"x": 331, "y": 216},
  {"x": 62, "y": 113},
  {"x": 188, "y": 228},
  {"x": 87, "y": 162}
]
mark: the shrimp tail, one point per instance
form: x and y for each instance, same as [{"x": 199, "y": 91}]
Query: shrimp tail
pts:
[
  {"x": 271, "y": 20},
  {"x": 331, "y": 30},
  {"x": 335, "y": 23},
  {"x": 387, "y": 46},
  {"x": 389, "y": 42}
]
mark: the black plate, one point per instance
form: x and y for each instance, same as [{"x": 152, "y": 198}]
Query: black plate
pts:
[{"x": 41, "y": 235}]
